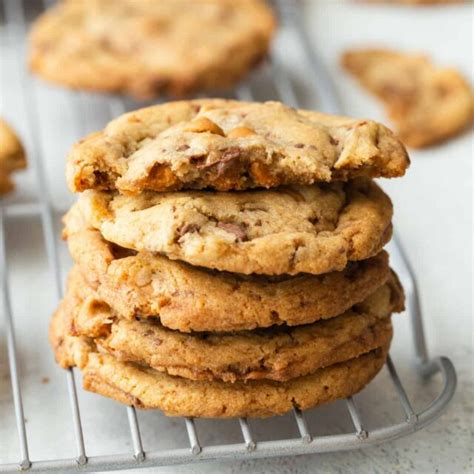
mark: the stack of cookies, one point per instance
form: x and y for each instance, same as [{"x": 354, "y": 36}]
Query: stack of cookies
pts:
[{"x": 229, "y": 258}]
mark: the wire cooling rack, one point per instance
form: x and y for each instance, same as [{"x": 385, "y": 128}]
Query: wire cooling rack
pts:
[{"x": 278, "y": 84}]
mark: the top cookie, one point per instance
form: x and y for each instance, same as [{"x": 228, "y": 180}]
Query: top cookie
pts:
[
  {"x": 150, "y": 47},
  {"x": 12, "y": 156},
  {"x": 427, "y": 103},
  {"x": 227, "y": 145}
]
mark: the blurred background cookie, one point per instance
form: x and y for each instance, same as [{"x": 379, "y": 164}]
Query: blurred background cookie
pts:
[
  {"x": 147, "y": 48},
  {"x": 427, "y": 103}
]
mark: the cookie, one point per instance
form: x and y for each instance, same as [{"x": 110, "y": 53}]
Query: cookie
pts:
[
  {"x": 311, "y": 229},
  {"x": 142, "y": 387},
  {"x": 150, "y": 47},
  {"x": 12, "y": 156},
  {"x": 427, "y": 103},
  {"x": 230, "y": 145},
  {"x": 190, "y": 298},
  {"x": 278, "y": 354}
]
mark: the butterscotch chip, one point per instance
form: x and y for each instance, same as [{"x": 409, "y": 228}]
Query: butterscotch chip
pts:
[
  {"x": 163, "y": 178},
  {"x": 12, "y": 156},
  {"x": 202, "y": 125},
  {"x": 150, "y": 47},
  {"x": 248, "y": 145},
  {"x": 143, "y": 387},
  {"x": 190, "y": 298},
  {"x": 307, "y": 229},
  {"x": 241, "y": 132},
  {"x": 275, "y": 354},
  {"x": 261, "y": 173},
  {"x": 427, "y": 103}
]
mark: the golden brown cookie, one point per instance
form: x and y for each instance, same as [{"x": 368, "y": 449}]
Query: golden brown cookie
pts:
[
  {"x": 427, "y": 103},
  {"x": 278, "y": 354},
  {"x": 150, "y": 47},
  {"x": 195, "y": 299},
  {"x": 226, "y": 145},
  {"x": 143, "y": 387},
  {"x": 12, "y": 156},
  {"x": 312, "y": 229}
]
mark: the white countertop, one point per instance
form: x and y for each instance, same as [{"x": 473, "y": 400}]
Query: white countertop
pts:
[{"x": 434, "y": 214}]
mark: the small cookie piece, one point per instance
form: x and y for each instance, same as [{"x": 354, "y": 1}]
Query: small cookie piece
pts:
[
  {"x": 150, "y": 47},
  {"x": 12, "y": 156},
  {"x": 142, "y": 387},
  {"x": 274, "y": 354},
  {"x": 428, "y": 104},
  {"x": 230, "y": 145},
  {"x": 190, "y": 298},
  {"x": 312, "y": 229}
]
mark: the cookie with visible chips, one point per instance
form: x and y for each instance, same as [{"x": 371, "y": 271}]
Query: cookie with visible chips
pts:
[
  {"x": 231, "y": 145},
  {"x": 147, "y": 48}
]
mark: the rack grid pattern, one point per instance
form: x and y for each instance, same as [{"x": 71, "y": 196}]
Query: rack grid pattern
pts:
[{"x": 289, "y": 12}]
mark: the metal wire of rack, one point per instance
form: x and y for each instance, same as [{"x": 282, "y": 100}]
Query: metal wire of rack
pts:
[{"x": 42, "y": 209}]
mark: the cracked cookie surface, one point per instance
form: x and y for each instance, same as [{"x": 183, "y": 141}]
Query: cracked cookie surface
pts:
[
  {"x": 142, "y": 387},
  {"x": 427, "y": 103},
  {"x": 280, "y": 353},
  {"x": 308, "y": 229},
  {"x": 12, "y": 156},
  {"x": 150, "y": 47},
  {"x": 230, "y": 145},
  {"x": 187, "y": 298}
]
